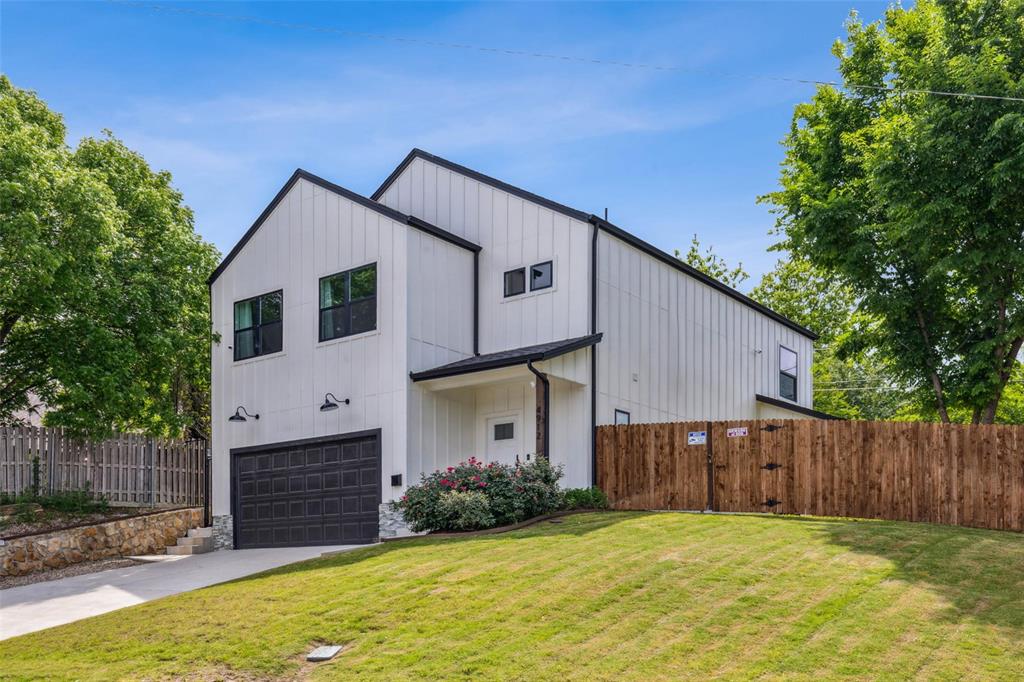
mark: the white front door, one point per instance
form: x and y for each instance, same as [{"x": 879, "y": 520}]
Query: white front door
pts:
[{"x": 504, "y": 439}]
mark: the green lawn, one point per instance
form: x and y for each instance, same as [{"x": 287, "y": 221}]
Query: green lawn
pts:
[{"x": 598, "y": 596}]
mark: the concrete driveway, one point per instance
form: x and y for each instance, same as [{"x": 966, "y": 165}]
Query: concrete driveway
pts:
[{"x": 43, "y": 605}]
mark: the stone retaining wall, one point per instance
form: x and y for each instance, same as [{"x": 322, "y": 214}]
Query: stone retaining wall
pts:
[{"x": 147, "y": 534}]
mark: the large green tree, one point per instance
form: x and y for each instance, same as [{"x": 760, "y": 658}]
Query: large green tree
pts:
[
  {"x": 103, "y": 302},
  {"x": 915, "y": 201}
]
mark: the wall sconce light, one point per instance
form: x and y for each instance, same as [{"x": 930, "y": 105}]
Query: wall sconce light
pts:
[
  {"x": 237, "y": 416},
  {"x": 331, "y": 402}
]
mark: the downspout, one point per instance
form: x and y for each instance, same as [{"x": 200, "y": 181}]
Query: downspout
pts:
[
  {"x": 547, "y": 407},
  {"x": 593, "y": 354},
  {"x": 476, "y": 303},
  {"x": 207, "y": 449}
]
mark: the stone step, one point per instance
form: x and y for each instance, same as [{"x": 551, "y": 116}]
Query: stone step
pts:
[
  {"x": 195, "y": 542},
  {"x": 201, "y": 532},
  {"x": 189, "y": 549}
]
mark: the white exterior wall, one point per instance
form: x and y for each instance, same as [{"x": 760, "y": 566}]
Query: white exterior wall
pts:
[
  {"x": 312, "y": 233},
  {"x": 440, "y": 310},
  {"x": 675, "y": 349},
  {"x": 513, "y": 233}
]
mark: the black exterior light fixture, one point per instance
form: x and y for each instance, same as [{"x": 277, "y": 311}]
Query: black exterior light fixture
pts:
[
  {"x": 331, "y": 402},
  {"x": 240, "y": 414}
]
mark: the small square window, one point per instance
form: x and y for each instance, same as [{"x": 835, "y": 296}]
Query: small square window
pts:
[
  {"x": 541, "y": 276},
  {"x": 515, "y": 282},
  {"x": 621, "y": 418},
  {"x": 504, "y": 431}
]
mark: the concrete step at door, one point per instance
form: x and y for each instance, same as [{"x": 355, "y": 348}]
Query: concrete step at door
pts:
[{"x": 201, "y": 532}]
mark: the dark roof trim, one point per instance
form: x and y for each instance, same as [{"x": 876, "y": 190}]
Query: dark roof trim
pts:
[
  {"x": 622, "y": 234},
  {"x": 480, "y": 177},
  {"x": 499, "y": 360},
  {"x": 300, "y": 174},
  {"x": 800, "y": 409},
  {"x": 674, "y": 262}
]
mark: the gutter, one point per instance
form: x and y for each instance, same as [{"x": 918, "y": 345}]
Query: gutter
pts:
[
  {"x": 547, "y": 407},
  {"x": 593, "y": 357}
]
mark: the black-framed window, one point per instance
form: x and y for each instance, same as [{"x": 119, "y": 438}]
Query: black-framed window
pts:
[
  {"x": 505, "y": 431},
  {"x": 515, "y": 282},
  {"x": 787, "y": 373},
  {"x": 541, "y": 275},
  {"x": 621, "y": 418},
  {"x": 348, "y": 302},
  {"x": 258, "y": 325}
]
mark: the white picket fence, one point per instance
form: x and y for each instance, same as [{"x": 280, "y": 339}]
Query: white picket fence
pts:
[{"x": 128, "y": 469}]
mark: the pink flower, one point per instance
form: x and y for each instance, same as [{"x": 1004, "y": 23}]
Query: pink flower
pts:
[
  {"x": 451, "y": 469},
  {"x": 483, "y": 484}
]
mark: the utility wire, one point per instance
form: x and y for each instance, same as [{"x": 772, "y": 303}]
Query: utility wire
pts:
[{"x": 542, "y": 55}]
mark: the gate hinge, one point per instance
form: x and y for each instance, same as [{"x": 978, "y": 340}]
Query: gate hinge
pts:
[
  {"x": 771, "y": 466},
  {"x": 773, "y": 427},
  {"x": 771, "y": 502}
]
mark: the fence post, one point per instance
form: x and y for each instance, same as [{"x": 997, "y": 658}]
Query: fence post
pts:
[
  {"x": 709, "y": 446},
  {"x": 207, "y": 455},
  {"x": 152, "y": 472}
]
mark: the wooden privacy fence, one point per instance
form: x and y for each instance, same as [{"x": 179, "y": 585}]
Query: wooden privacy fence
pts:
[
  {"x": 967, "y": 475},
  {"x": 129, "y": 470}
]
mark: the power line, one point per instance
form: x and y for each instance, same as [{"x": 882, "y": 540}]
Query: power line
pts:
[{"x": 542, "y": 55}]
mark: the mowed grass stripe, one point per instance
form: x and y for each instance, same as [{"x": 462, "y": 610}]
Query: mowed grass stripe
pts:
[{"x": 607, "y": 596}]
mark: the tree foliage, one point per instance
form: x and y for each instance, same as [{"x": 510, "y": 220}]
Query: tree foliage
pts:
[
  {"x": 916, "y": 202},
  {"x": 103, "y": 302},
  {"x": 710, "y": 263}
]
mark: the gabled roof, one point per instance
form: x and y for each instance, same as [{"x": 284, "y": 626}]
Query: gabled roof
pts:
[
  {"x": 507, "y": 358},
  {"x": 397, "y": 216},
  {"x": 601, "y": 224}
]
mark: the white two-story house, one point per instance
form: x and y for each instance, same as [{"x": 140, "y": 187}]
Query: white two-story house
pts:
[{"x": 364, "y": 341}]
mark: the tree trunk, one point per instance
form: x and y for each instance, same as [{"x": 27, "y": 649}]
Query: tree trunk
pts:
[
  {"x": 1008, "y": 359},
  {"x": 940, "y": 400}
]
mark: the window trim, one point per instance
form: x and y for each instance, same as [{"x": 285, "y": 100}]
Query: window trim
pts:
[
  {"x": 615, "y": 421},
  {"x": 548, "y": 286},
  {"x": 504, "y": 282},
  {"x": 494, "y": 430},
  {"x": 348, "y": 302},
  {"x": 256, "y": 327},
  {"x": 794, "y": 375}
]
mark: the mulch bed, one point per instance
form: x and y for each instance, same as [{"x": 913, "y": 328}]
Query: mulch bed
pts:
[
  {"x": 498, "y": 529},
  {"x": 7, "y": 582}
]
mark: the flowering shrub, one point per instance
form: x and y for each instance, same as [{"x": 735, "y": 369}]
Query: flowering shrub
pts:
[
  {"x": 513, "y": 494},
  {"x": 468, "y": 510}
]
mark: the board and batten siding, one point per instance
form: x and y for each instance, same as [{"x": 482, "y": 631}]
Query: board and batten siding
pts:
[
  {"x": 675, "y": 349},
  {"x": 513, "y": 233},
  {"x": 312, "y": 233},
  {"x": 441, "y": 425}
]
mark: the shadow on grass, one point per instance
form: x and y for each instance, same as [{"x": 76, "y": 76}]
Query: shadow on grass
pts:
[
  {"x": 574, "y": 524},
  {"x": 979, "y": 573}
]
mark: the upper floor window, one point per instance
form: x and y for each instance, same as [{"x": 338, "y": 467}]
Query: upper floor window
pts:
[
  {"x": 348, "y": 302},
  {"x": 787, "y": 373},
  {"x": 541, "y": 276},
  {"x": 258, "y": 325},
  {"x": 515, "y": 282},
  {"x": 621, "y": 418}
]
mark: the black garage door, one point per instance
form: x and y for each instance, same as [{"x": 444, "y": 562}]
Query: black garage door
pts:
[{"x": 321, "y": 492}]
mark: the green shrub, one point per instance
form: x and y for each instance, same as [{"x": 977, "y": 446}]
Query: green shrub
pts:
[
  {"x": 468, "y": 510},
  {"x": 584, "y": 498},
  {"x": 70, "y": 502},
  {"x": 513, "y": 493}
]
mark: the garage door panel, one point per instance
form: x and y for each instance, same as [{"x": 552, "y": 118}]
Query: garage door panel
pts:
[{"x": 323, "y": 493}]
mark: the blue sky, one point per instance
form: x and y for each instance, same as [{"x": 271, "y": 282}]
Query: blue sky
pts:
[{"x": 231, "y": 108}]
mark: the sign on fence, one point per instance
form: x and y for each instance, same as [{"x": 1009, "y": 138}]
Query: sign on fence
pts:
[
  {"x": 128, "y": 469},
  {"x": 736, "y": 432},
  {"x": 697, "y": 438}
]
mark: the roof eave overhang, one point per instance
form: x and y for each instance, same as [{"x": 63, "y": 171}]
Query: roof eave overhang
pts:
[
  {"x": 793, "y": 407},
  {"x": 500, "y": 363}
]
